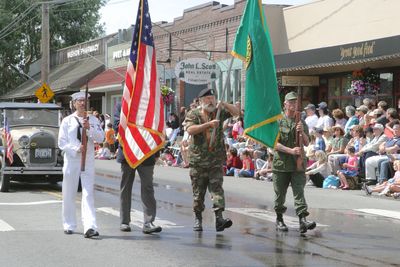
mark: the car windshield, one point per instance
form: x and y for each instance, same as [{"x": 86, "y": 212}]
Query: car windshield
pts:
[{"x": 45, "y": 117}]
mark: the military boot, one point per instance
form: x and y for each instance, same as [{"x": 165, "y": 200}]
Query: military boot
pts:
[
  {"x": 220, "y": 222},
  {"x": 198, "y": 227},
  {"x": 306, "y": 225},
  {"x": 280, "y": 224}
]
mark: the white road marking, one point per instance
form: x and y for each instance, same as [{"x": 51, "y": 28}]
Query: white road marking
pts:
[
  {"x": 385, "y": 213},
  {"x": 5, "y": 227},
  {"x": 291, "y": 222},
  {"x": 31, "y": 203},
  {"x": 137, "y": 218}
]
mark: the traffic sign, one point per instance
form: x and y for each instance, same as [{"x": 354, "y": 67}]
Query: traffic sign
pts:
[{"x": 44, "y": 93}]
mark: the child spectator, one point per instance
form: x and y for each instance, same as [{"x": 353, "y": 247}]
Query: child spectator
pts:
[
  {"x": 167, "y": 158},
  {"x": 351, "y": 170},
  {"x": 103, "y": 152},
  {"x": 110, "y": 138},
  {"x": 248, "y": 165},
  {"x": 233, "y": 162},
  {"x": 319, "y": 140},
  {"x": 387, "y": 187},
  {"x": 237, "y": 129},
  {"x": 319, "y": 170}
]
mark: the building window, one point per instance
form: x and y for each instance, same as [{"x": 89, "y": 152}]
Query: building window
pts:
[{"x": 339, "y": 97}]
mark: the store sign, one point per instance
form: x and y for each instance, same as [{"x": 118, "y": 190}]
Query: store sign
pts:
[
  {"x": 83, "y": 51},
  {"x": 197, "y": 71},
  {"x": 362, "y": 50},
  {"x": 300, "y": 81},
  {"x": 120, "y": 54}
]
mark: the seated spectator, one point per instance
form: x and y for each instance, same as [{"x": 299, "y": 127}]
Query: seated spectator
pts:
[
  {"x": 383, "y": 106},
  {"x": 167, "y": 157},
  {"x": 237, "y": 129},
  {"x": 319, "y": 170},
  {"x": 319, "y": 140},
  {"x": 103, "y": 152},
  {"x": 391, "y": 146},
  {"x": 324, "y": 121},
  {"x": 390, "y": 186},
  {"x": 350, "y": 171},
  {"x": 353, "y": 119},
  {"x": 391, "y": 115},
  {"x": 311, "y": 119},
  {"x": 248, "y": 165},
  {"x": 362, "y": 115},
  {"x": 336, "y": 150},
  {"x": 328, "y": 137},
  {"x": 310, "y": 150},
  {"x": 233, "y": 162},
  {"x": 340, "y": 120},
  {"x": 264, "y": 172},
  {"x": 371, "y": 148}
]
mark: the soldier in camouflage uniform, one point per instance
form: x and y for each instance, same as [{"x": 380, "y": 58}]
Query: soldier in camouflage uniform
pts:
[
  {"x": 284, "y": 166},
  {"x": 206, "y": 162}
]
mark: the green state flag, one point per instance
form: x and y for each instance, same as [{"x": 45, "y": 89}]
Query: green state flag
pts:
[{"x": 262, "y": 105}]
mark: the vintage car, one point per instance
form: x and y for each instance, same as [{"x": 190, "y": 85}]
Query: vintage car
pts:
[{"x": 34, "y": 131}]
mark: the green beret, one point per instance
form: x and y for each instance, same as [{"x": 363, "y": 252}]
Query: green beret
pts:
[{"x": 291, "y": 96}]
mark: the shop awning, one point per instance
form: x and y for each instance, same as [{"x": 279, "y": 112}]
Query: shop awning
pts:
[
  {"x": 110, "y": 79},
  {"x": 64, "y": 78},
  {"x": 355, "y": 55}
]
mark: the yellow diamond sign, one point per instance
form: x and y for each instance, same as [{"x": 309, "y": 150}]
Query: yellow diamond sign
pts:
[{"x": 44, "y": 93}]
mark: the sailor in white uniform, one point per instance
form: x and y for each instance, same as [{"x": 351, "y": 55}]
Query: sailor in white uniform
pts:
[{"x": 69, "y": 140}]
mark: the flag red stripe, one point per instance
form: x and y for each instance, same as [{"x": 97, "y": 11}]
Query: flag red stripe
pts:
[{"x": 140, "y": 140}]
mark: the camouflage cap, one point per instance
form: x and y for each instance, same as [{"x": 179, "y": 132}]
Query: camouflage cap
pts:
[{"x": 291, "y": 96}]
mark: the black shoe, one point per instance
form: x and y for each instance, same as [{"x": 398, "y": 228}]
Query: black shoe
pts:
[
  {"x": 149, "y": 228},
  {"x": 125, "y": 228},
  {"x": 198, "y": 227},
  {"x": 91, "y": 233},
  {"x": 306, "y": 225},
  {"x": 221, "y": 224},
  {"x": 281, "y": 226},
  {"x": 68, "y": 232}
]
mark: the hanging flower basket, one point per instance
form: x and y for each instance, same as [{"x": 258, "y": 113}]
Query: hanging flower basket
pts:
[
  {"x": 167, "y": 95},
  {"x": 364, "y": 82}
]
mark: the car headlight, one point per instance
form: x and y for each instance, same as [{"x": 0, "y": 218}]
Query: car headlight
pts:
[{"x": 23, "y": 141}]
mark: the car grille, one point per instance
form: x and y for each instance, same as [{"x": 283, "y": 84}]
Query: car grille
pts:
[{"x": 44, "y": 149}]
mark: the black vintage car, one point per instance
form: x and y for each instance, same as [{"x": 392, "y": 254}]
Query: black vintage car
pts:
[{"x": 34, "y": 131}]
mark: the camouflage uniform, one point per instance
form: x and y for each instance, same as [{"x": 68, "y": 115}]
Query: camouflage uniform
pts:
[
  {"x": 284, "y": 170},
  {"x": 206, "y": 164}
]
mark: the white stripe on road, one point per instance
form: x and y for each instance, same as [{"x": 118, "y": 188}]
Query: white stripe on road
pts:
[
  {"x": 30, "y": 203},
  {"x": 385, "y": 213},
  {"x": 5, "y": 227},
  {"x": 291, "y": 222},
  {"x": 137, "y": 218}
]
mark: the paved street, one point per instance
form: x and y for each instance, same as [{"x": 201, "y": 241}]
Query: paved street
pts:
[{"x": 353, "y": 229}]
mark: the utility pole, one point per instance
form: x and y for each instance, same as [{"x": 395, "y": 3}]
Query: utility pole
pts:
[{"x": 45, "y": 67}]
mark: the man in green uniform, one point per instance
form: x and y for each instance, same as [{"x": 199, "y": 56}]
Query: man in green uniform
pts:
[
  {"x": 206, "y": 161},
  {"x": 284, "y": 167}
]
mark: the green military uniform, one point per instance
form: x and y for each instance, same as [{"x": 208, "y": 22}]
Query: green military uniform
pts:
[
  {"x": 206, "y": 164},
  {"x": 284, "y": 169}
]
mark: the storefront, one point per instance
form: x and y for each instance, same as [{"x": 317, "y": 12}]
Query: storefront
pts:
[{"x": 338, "y": 66}]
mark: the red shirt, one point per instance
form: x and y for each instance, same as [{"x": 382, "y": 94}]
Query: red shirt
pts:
[{"x": 233, "y": 162}]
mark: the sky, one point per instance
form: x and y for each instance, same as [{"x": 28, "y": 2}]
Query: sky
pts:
[{"x": 120, "y": 14}]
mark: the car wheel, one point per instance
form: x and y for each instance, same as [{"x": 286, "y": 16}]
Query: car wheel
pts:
[{"x": 4, "y": 182}]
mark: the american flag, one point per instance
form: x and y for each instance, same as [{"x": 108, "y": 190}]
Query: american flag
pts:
[
  {"x": 142, "y": 109},
  {"x": 9, "y": 142}
]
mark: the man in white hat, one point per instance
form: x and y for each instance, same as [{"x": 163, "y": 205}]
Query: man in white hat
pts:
[{"x": 69, "y": 140}]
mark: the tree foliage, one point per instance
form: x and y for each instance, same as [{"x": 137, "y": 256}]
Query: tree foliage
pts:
[{"x": 71, "y": 22}]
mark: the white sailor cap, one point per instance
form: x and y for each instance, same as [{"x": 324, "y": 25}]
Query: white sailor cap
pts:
[{"x": 78, "y": 95}]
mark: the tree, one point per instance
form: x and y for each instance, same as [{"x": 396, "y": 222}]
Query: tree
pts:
[{"x": 71, "y": 22}]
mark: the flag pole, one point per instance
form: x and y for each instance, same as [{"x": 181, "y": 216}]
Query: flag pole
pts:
[{"x": 227, "y": 80}]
